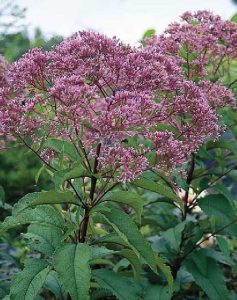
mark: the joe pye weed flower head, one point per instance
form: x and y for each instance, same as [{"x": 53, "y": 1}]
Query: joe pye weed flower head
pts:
[{"x": 142, "y": 108}]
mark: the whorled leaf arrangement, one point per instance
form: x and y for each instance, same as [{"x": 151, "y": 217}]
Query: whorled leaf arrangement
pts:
[{"x": 108, "y": 121}]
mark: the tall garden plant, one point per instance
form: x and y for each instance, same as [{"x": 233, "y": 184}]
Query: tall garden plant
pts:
[{"x": 130, "y": 138}]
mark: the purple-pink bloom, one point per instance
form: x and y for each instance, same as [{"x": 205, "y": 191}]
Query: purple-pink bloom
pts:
[{"x": 142, "y": 106}]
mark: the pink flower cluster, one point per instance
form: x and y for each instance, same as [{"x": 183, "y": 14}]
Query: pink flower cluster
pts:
[
  {"x": 138, "y": 104},
  {"x": 203, "y": 41}
]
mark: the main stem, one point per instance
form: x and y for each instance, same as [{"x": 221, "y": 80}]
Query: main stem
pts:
[
  {"x": 84, "y": 225},
  {"x": 188, "y": 182},
  {"x": 85, "y": 221},
  {"x": 176, "y": 263}
]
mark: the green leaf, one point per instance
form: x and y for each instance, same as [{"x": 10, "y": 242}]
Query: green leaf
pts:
[
  {"x": 207, "y": 275},
  {"x": 156, "y": 292},
  {"x": 149, "y": 33},
  {"x": 40, "y": 198},
  {"x": 62, "y": 146},
  {"x": 173, "y": 236},
  {"x": 217, "y": 256},
  {"x": 234, "y": 18},
  {"x": 223, "y": 245},
  {"x": 129, "y": 232},
  {"x": 98, "y": 208},
  {"x": 120, "y": 265},
  {"x": 165, "y": 269},
  {"x": 75, "y": 172},
  {"x": 185, "y": 53},
  {"x": 44, "y": 238},
  {"x": 4, "y": 289},
  {"x": 72, "y": 264},
  {"x": 157, "y": 188},
  {"x": 39, "y": 298},
  {"x": 40, "y": 215},
  {"x": 222, "y": 189},
  {"x": 27, "y": 283},
  {"x": 165, "y": 127},
  {"x": 37, "y": 176},
  {"x": 100, "y": 294},
  {"x": 134, "y": 261},
  {"x": 121, "y": 287},
  {"x": 52, "y": 284},
  {"x": 101, "y": 261},
  {"x": 98, "y": 252},
  {"x": 224, "y": 212},
  {"x": 111, "y": 238},
  {"x": 132, "y": 199},
  {"x": 223, "y": 144}
]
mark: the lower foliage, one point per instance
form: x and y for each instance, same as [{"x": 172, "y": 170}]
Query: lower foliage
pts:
[{"x": 142, "y": 241}]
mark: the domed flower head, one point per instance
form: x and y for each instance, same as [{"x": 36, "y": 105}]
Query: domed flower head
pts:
[{"x": 130, "y": 109}]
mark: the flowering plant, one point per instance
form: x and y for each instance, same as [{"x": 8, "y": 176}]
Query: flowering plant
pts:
[{"x": 109, "y": 120}]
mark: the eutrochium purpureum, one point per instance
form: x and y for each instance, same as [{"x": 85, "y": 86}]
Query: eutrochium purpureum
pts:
[{"x": 124, "y": 109}]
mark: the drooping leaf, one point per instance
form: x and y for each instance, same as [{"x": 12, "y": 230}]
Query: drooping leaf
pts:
[
  {"x": 158, "y": 188},
  {"x": 72, "y": 265},
  {"x": 173, "y": 236},
  {"x": 132, "y": 199},
  {"x": 27, "y": 283},
  {"x": 121, "y": 287},
  {"x": 44, "y": 238},
  {"x": 52, "y": 284},
  {"x": 165, "y": 269},
  {"x": 42, "y": 215},
  {"x": 222, "y": 210},
  {"x": 40, "y": 198},
  {"x": 207, "y": 275},
  {"x": 121, "y": 264},
  {"x": 129, "y": 232},
  {"x": 99, "y": 252},
  {"x": 134, "y": 261},
  {"x": 37, "y": 176}
]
